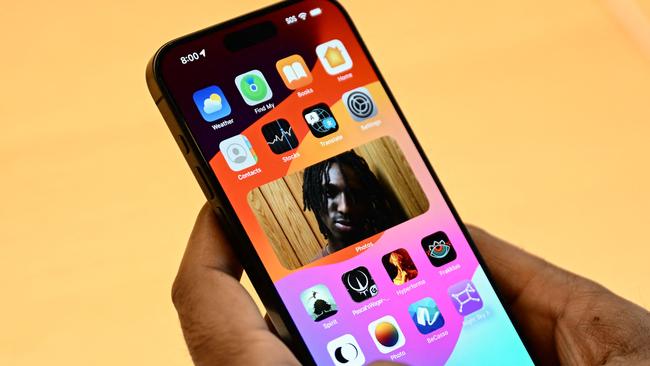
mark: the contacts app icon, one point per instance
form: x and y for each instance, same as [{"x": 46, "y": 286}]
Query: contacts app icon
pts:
[{"x": 238, "y": 152}]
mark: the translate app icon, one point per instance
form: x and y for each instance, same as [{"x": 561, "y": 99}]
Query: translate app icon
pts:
[
  {"x": 211, "y": 103},
  {"x": 426, "y": 315},
  {"x": 465, "y": 297}
]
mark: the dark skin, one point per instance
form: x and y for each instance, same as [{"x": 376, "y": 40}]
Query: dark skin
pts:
[
  {"x": 344, "y": 215},
  {"x": 568, "y": 319}
]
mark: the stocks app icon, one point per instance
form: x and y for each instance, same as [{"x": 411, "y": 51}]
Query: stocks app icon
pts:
[
  {"x": 359, "y": 284},
  {"x": 280, "y": 136},
  {"x": 439, "y": 249}
]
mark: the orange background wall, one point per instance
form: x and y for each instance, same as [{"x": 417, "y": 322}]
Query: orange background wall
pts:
[{"x": 535, "y": 114}]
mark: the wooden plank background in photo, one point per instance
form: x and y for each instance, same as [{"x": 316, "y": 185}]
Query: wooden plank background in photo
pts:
[{"x": 293, "y": 232}]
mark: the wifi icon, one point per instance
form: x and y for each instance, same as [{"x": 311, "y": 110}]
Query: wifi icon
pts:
[
  {"x": 302, "y": 16},
  {"x": 280, "y": 136}
]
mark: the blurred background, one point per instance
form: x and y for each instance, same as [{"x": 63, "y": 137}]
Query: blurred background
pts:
[{"x": 534, "y": 114}]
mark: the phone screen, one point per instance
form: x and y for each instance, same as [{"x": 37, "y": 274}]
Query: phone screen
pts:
[{"x": 330, "y": 187}]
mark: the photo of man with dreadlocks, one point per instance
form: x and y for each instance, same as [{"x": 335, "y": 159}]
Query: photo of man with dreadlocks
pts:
[
  {"x": 347, "y": 199},
  {"x": 340, "y": 202}
]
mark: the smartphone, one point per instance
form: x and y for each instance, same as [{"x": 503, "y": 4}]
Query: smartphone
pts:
[{"x": 337, "y": 215}]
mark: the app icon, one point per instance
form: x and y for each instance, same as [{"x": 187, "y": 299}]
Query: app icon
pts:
[
  {"x": 400, "y": 266},
  {"x": 386, "y": 334},
  {"x": 465, "y": 297},
  {"x": 345, "y": 351},
  {"x": 320, "y": 120},
  {"x": 439, "y": 249},
  {"x": 426, "y": 316},
  {"x": 359, "y": 284},
  {"x": 294, "y": 72},
  {"x": 238, "y": 152},
  {"x": 253, "y": 87},
  {"x": 211, "y": 103},
  {"x": 359, "y": 104},
  {"x": 280, "y": 136},
  {"x": 334, "y": 57},
  {"x": 318, "y": 302}
]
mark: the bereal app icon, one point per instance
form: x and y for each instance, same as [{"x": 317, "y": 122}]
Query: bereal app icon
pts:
[
  {"x": 280, "y": 136},
  {"x": 320, "y": 120},
  {"x": 438, "y": 248},
  {"x": 211, "y": 103},
  {"x": 238, "y": 152},
  {"x": 386, "y": 334},
  {"x": 345, "y": 351},
  {"x": 318, "y": 302},
  {"x": 253, "y": 87},
  {"x": 360, "y": 285},
  {"x": 426, "y": 315},
  {"x": 465, "y": 297}
]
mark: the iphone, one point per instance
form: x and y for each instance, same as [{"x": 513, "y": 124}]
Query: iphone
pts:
[{"x": 337, "y": 216}]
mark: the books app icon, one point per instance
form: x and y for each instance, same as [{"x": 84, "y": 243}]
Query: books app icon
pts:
[{"x": 294, "y": 72}]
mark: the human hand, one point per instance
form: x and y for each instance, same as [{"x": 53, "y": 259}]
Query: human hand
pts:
[{"x": 568, "y": 319}]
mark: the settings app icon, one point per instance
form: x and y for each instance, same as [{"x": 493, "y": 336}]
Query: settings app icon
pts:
[
  {"x": 360, "y": 284},
  {"x": 360, "y": 104}
]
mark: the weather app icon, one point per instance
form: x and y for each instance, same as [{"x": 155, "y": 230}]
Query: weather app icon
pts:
[{"x": 212, "y": 103}]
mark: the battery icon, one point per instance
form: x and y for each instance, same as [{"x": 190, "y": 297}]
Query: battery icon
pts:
[{"x": 315, "y": 12}]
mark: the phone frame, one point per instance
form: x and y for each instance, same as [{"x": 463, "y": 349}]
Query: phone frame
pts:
[{"x": 251, "y": 262}]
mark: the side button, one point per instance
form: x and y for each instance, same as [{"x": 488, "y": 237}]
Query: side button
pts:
[
  {"x": 203, "y": 182},
  {"x": 183, "y": 144}
]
